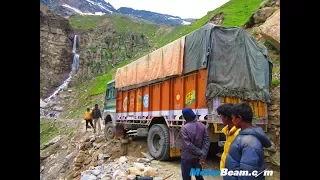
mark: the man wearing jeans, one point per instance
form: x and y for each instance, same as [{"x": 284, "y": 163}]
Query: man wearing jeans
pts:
[
  {"x": 194, "y": 144},
  {"x": 96, "y": 114}
]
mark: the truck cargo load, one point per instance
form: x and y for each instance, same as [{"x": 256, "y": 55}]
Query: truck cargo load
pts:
[
  {"x": 163, "y": 62},
  {"x": 238, "y": 66}
]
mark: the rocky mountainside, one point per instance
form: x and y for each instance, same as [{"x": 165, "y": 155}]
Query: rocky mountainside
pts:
[
  {"x": 56, "y": 37},
  {"x": 264, "y": 24},
  {"x": 155, "y": 17},
  {"x": 105, "y": 47}
]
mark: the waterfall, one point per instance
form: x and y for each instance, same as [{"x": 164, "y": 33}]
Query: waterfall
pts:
[
  {"x": 63, "y": 85},
  {"x": 75, "y": 63},
  {"x": 74, "y": 44},
  {"x": 75, "y": 66}
]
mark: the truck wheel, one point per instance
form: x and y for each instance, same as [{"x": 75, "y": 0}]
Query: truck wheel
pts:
[
  {"x": 159, "y": 142},
  {"x": 109, "y": 131}
]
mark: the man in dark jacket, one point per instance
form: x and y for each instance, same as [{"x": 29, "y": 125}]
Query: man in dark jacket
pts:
[
  {"x": 96, "y": 115},
  {"x": 246, "y": 151},
  {"x": 194, "y": 144}
]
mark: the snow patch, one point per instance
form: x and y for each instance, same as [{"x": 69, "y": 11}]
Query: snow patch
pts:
[
  {"x": 82, "y": 13},
  {"x": 185, "y": 22}
]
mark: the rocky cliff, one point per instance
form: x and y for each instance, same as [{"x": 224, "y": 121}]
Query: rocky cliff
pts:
[
  {"x": 265, "y": 26},
  {"x": 56, "y": 37},
  {"x": 104, "y": 48}
]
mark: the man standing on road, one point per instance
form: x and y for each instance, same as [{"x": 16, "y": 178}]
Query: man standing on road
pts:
[
  {"x": 194, "y": 144},
  {"x": 229, "y": 130},
  {"x": 96, "y": 114},
  {"x": 246, "y": 151}
]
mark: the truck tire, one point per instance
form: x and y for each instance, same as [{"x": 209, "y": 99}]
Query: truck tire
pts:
[
  {"x": 109, "y": 131},
  {"x": 159, "y": 142}
]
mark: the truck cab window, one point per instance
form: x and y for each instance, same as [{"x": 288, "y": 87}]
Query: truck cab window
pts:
[
  {"x": 111, "y": 93},
  {"x": 108, "y": 94},
  {"x": 114, "y": 90}
]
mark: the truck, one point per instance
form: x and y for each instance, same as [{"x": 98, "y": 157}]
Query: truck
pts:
[{"x": 201, "y": 70}]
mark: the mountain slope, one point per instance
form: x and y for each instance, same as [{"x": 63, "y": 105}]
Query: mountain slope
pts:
[
  {"x": 67, "y": 8},
  {"x": 121, "y": 23},
  {"x": 83, "y": 7},
  {"x": 155, "y": 17},
  {"x": 109, "y": 41}
]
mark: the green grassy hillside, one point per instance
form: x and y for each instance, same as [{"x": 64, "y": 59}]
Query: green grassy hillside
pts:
[{"x": 121, "y": 23}]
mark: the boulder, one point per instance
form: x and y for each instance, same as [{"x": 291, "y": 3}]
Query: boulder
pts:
[{"x": 270, "y": 30}]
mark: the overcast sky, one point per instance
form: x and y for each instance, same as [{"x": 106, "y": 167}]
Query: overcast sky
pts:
[{"x": 182, "y": 8}]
